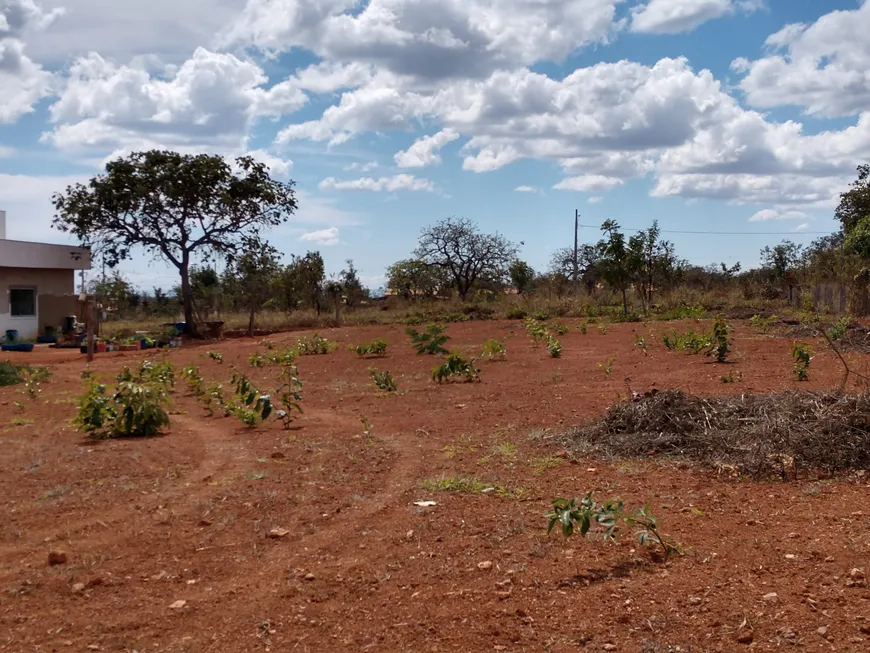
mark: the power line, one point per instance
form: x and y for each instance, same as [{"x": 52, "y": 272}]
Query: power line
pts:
[{"x": 725, "y": 233}]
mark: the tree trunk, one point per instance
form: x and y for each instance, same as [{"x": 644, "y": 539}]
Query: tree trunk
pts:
[
  {"x": 187, "y": 296},
  {"x": 624, "y": 302},
  {"x": 251, "y": 321}
]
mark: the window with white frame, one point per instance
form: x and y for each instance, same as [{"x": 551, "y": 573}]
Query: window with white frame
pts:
[{"x": 22, "y": 302}]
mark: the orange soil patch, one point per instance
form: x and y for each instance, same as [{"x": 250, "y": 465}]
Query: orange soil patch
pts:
[{"x": 168, "y": 547}]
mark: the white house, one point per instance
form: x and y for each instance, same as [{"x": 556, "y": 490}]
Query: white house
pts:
[{"x": 37, "y": 283}]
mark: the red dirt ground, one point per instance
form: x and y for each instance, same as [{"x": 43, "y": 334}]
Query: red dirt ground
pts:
[{"x": 185, "y": 517}]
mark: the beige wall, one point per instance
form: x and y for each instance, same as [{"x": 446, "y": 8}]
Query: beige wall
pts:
[
  {"x": 18, "y": 253},
  {"x": 47, "y": 282}
]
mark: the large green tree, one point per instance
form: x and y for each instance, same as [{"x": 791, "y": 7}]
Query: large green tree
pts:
[
  {"x": 251, "y": 277},
  {"x": 178, "y": 207},
  {"x": 301, "y": 282},
  {"x": 655, "y": 265},
  {"x": 413, "y": 279},
  {"x": 522, "y": 276},
  {"x": 855, "y": 203},
  {"x": 616, "y": 263},
  {"x": 466, "y": 254}
]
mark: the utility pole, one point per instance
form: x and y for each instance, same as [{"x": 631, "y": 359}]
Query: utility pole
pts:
[{"x": 575, "y": 261}]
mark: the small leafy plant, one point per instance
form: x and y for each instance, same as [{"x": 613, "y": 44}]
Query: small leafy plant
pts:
[
  {"x": 291, "y": 395},
  {"x": 314, "y": 345},
  {"x": 838, "y": 329},
  {"x": 584, "y": 327},
  {"x": 135, "y": 410},
  {"x": 640, "y": 343},
  {"x": 431, "y": 341},
  {"x": 802, "y": 355},
  {"x": 384, "y": 380},
  {"x": 560, "y": 329},
  {"x": 250, "y": 406},
  {"x": 763, "y": 324},
  {"x": 193, "y": 379},
  {"x": 214, "y": 394},
  {"x": 732, "y": 377},
  {"x": 720, "y": 343},
  {"x": 286, "y": 357},
  {"x": 536, "y": 330},
  {"x": 33, "y": 378},
  {"x": 161, "y": 373},
  {"x": 256, "y": 359},
  {"x": 603, "y": 329},
  {"x": 376, "y": 347},
  {"x": 583, "y": 514},
  {"x": 493, "y": 350},
  {"x": 216, "y": 356},
  {"x": 456, "y": 369},
  {"x": 554, "y": 347},
  {"x": 607, "y": 367},
  {"x": 689, "y": 341}
]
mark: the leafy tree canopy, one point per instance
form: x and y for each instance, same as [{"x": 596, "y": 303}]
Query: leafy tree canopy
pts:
[
  {"x": 466, "y": 254},
  {"x": 177, "y": 207}
]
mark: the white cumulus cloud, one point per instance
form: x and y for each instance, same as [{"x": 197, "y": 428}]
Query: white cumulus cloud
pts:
[
  {"x": 674, "y": 16},
  {"x": 427, "y": 40},
  {"x": 823, "y": 67},
  {"x": 424, "y": 152},
  {"x": 210, "y": 101},
  {"x": 526, "y": 189},
  {"x": 775, "y": 214},
  {"x": 586, "y": 183},
  {"x": 323, "y": 237},
  {"x": 23, "y": 82},
  {"x": 389, "y": 184}
]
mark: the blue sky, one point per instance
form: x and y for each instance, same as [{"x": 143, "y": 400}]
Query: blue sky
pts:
[{"x": 744, "y": 116}]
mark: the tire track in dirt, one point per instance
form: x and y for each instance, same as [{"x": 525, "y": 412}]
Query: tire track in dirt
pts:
[{"x": 221, "y": 453}]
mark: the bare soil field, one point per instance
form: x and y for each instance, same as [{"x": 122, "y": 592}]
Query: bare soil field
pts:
[{"x": 169, "y": 542}]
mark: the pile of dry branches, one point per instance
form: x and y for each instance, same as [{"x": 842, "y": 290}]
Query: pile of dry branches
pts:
[{"x": 761, "y": 435}]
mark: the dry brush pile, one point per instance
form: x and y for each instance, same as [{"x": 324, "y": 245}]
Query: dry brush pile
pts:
[{"x": 762, "y": 435}]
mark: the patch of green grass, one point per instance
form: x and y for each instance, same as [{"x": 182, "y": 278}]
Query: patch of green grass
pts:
[
  {"x": 469, "y": 485},
  {"x": 54, "y": 493},
  {"x": 20, "y": 421},
  {"x": 541, "y": 465},
  {"x": 505, "y": 450}
]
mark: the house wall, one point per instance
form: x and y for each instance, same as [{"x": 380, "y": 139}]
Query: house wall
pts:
[
  {"x": 21, "y": 254},
  {"x": 47, "y": 282}
]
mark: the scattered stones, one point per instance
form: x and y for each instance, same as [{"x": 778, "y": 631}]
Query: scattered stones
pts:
[
  {"x": 56, "y": 558},
  {"x": 745, "y": 637},
  {"x": 485, "y": 565},
  {"x": 78, "y": 588},
  {"x": 178, "y": 605},
  {"x": 822, "y": 630},
  {"x": 771, "y": 597},
  {"x": 609, "y": 647},
  {"x": 790, "y": 556},
  {"x": 409, "y": 535},
  {"x": 694, "y": 600},
  {"x": 309, "y": 576},
  {"x": 277, "y": 533}
]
